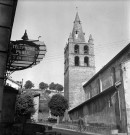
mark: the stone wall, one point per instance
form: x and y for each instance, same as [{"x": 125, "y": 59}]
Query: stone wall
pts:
[
  {"x": 74, "y": 76},
  {"x": 99, "y": 110},
  {"x": 77, "y": 75},
  {"x": 110, "y": 76}
]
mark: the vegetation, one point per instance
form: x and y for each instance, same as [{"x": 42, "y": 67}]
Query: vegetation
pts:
[
  {"x": 57, "y": 87},
  {"x": 24, "y": 106},
  {"x": 58, "y": 104},
  {"x": 43, "y": 105},
  {"x": 43, "y": 86},
  {"x": 28, "y": 85},
  {"x": 52, "y": 86}
]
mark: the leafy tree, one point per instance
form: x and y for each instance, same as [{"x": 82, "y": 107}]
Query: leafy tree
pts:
[
  {"x": 58, "y": 104},
  {"x": 43, "y": 86},
  {"x": 52, "y": 86},
  {"x": 28, "y": 85},
  {"x": 59, "y": 87},
  {"x": 24, "y": 106}
]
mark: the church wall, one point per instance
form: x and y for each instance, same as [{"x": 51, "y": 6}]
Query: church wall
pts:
[
  {"x": 77, "y": 75},
  {"x": 105, "y": 95},
  {"x": 66, "y": 85},
  {"x": 79, "y": 64}
]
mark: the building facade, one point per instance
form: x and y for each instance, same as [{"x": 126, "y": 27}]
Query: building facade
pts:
[
  {"x": 107, "y": 95},
  {"x": 15, "y": 84},
  {"x": 79, "y": 64}
]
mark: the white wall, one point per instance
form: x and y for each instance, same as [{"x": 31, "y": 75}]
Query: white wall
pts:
[
  {"x": 36, "y": 103},
  {"x": 126, "y": 79},
  {"x": 12, "y": 84}
]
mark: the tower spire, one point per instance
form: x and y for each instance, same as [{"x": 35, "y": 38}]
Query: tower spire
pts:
[
  {"x": 90, "y": 39},
  {"x": 77, "y": 32},
  {"x": 77, "y": 18}
]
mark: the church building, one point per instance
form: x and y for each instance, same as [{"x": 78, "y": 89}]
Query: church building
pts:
[{"x": 79, "y": 64}]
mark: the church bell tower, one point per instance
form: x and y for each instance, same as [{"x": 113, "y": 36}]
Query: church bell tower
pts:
[{"x": 79, "y": 64}]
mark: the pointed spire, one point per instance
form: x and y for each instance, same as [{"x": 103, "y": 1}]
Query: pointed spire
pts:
[
  {"x": 77, "y": 18},
  {"x": 90, "y": 39},
  {"x": 77, "y": 32},
  {"x": 25, "y": 36}
]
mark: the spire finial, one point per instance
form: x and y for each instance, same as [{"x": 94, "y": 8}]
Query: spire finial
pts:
[
  {"x": 25, "y": 36},
  {"x": 77, "y": 9},
  {"x": 90, "y": 39},
  {"x": 77, "y": 17}
]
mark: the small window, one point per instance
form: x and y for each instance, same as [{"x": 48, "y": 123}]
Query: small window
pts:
[
  {"x": 76, "y": 34},
  {"x": 86, "y": 61},
  {"x": 76, "y": 49},
  {"x": 76, "y": 61},
  {"x": 85, "y": 49}
]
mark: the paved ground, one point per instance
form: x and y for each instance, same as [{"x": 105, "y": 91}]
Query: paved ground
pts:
[{"x": 70, "y": 132}]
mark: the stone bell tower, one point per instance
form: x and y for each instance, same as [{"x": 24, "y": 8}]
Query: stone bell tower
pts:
[{"x": 79, "y": 64}]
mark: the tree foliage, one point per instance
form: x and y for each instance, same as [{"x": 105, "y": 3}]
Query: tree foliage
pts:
[
  {"x": 24, "y": 106},
  {"x": 56, "y": 86},
  {"x": 59, "y": 87},
  {"x": 43, "y": 86},
  {"x": 58, "y": 104},
  {"x": 28, "y": 85},
  {"x": 52, "y": 86}
]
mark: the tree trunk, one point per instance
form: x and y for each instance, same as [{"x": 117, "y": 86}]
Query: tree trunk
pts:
[{"x": 58, "y": 119}]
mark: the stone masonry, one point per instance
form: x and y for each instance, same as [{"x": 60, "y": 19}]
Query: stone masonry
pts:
[{"x": 79, "y": 65}]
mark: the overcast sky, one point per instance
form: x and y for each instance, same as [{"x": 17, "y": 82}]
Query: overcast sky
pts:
[{"x": 108, "y": 21}]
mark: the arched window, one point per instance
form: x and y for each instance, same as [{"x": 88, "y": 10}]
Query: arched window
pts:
[
  {"x": 76, "y": 34},
  {"x": 86, "y": 61},
  {"x": 76, "y": 49},
  {"x": 76, "y": 61},
  {"x": 86, "y": 49}
]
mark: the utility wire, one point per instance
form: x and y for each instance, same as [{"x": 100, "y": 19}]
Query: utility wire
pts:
[{"x": 101, "y": 46}]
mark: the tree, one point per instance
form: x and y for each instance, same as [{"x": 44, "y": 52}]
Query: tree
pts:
[
  {"x": 58, "y": 104},
  {"x": 28, "y": 84},
  {"x": 52, "y": 86},
  {"x": 59, "y": 87},
  {"x": 43, "y": 86},
  {"x": 24, "y": 106}
]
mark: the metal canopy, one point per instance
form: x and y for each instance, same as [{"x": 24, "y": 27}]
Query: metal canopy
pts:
[{"x": 25, "y": 53}]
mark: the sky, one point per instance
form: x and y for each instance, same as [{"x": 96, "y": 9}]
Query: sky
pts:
[{"x": 107, "y": 20}]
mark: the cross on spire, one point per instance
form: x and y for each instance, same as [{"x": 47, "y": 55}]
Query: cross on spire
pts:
[{"x": 77, "y": 9}]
